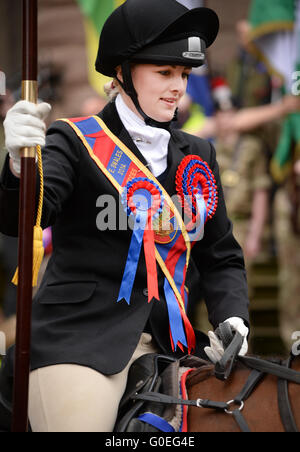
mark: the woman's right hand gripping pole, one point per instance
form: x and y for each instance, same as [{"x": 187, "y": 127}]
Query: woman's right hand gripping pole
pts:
[{"x": 24, "y": 126}]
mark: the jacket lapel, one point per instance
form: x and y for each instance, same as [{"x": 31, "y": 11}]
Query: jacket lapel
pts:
[{"x": 178, "y": 149}]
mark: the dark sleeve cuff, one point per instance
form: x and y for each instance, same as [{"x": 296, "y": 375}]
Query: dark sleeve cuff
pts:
[
  {"x": 8, "y": 180},
  {"x": 9, "y": 201}
]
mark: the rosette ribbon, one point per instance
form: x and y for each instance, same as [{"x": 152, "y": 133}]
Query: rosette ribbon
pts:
[
  {"x": 176, "y": 319},
  {"x": 197, "y": 190},
  {"x": 142, "y": 199}
]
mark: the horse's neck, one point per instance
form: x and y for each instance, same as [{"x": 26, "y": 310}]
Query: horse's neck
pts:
[{"x": 296, "y": 363}]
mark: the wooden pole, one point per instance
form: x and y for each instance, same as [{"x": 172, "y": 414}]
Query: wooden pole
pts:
[{"x": 26, "y": 224}]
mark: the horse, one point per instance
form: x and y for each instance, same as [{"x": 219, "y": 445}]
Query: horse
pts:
[
  {"x": 257, "y": 395},
  {"x": 273, "y": 405},
  {"x": 237, "y": 394}
]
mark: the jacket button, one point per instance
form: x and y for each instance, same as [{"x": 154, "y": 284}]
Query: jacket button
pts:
[{"x": 145, "y": 292}]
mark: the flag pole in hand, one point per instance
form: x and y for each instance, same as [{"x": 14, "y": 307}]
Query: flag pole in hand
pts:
[{"x": 26, "y": 224}]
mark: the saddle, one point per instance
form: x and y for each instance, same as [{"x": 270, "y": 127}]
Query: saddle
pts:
[
  {"x": 156, "y": 400},
  {"x": 152, "y": 379}
]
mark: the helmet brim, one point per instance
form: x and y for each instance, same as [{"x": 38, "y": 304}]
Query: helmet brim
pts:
[{"x": 189, "y": 52}]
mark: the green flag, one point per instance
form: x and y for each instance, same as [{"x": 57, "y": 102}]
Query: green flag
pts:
[
  {"x": 95, "y": 13},
  {"x": 272, "y": 15},
  {"x": 275, "y": 40}
]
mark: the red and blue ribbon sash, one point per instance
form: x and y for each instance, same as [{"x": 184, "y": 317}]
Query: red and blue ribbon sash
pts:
[{"x": 170, "y": 250}]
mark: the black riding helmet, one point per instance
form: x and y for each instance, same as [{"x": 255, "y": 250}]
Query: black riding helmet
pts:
[{"x": 156, "y": 32}]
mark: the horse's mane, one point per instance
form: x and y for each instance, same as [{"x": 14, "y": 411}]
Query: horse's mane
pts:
[{"x": 200, "y": 374}]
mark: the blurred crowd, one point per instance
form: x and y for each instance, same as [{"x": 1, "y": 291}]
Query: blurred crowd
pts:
[{"x": 241, "y": 111}]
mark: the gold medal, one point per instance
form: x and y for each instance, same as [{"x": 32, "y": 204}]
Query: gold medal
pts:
[{"x": 164, "y": 231}]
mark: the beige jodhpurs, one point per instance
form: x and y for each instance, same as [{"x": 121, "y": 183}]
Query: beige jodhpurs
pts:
[{"x": 73, "y": 398}]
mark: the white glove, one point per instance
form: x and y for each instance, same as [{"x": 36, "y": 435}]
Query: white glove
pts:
[
  {"x": 24, "y": 127},
  {"x": 216, "y": 349}
]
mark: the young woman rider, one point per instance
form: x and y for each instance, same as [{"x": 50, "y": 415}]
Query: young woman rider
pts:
[{"x": 110, "y": 295}]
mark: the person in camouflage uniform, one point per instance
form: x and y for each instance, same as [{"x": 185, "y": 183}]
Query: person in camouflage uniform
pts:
[
  {"x": 287, "y": 233},
  {"x": 243, "y": 163},
  {"x": 249, "y": 81},
  {"x": 252, "y": 86},
  {"x": 243, "y": 169},
  {"x": 244, "y": 173}
]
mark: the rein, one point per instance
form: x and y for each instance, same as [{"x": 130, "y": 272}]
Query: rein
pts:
[
  {"x": 226, "y": 407},
  {"x": 260, "y": 368}
]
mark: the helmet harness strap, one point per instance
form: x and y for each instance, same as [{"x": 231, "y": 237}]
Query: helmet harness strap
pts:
[{"x": 129, "y": 89}]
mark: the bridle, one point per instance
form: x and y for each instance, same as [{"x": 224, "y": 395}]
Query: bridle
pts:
[{"x": 259, "y": 369}]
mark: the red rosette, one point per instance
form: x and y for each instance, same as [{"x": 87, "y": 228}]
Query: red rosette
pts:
[
  {"x": 150, "y": 189},
  {"x": 194, "y": 175}
]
